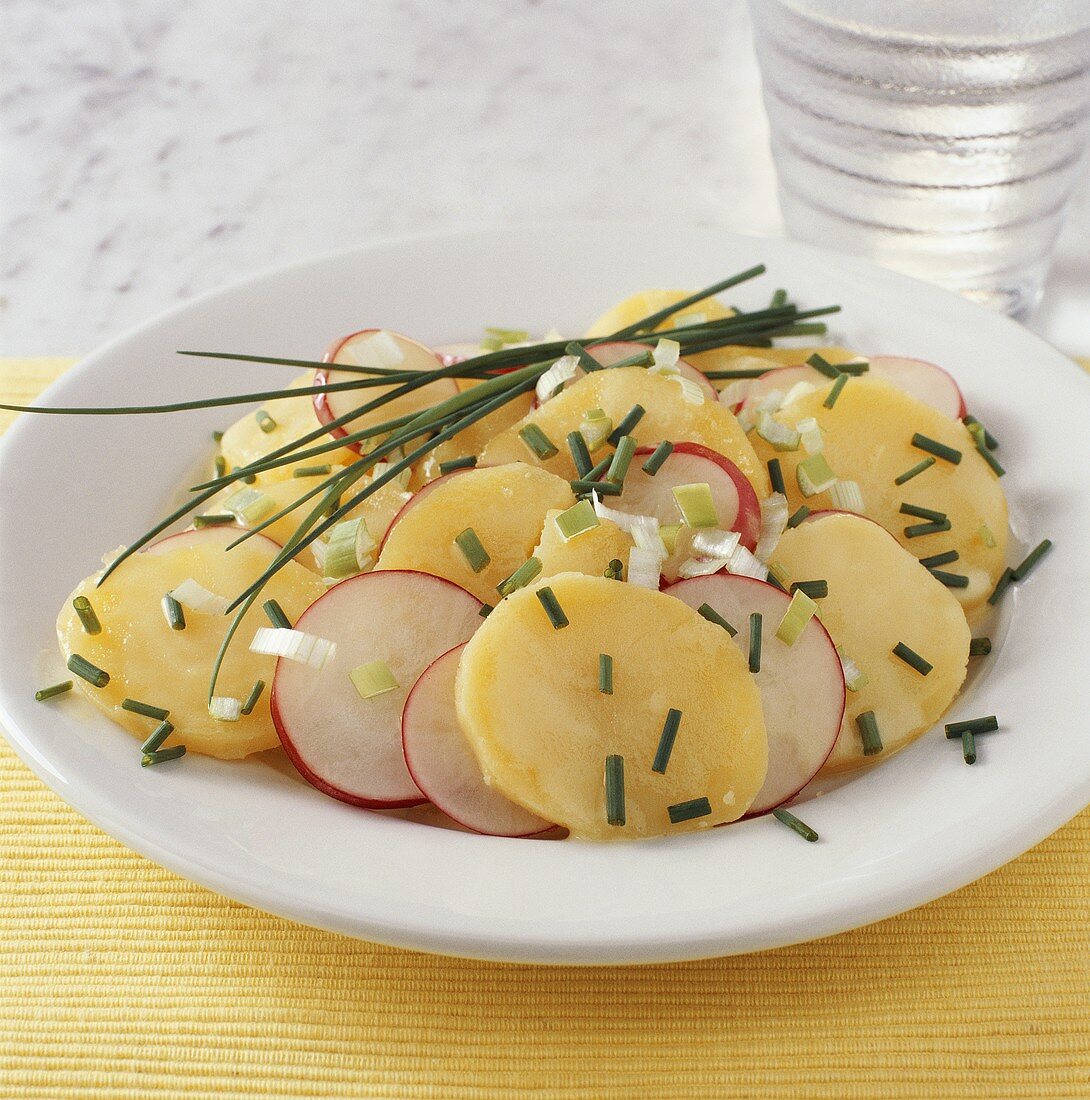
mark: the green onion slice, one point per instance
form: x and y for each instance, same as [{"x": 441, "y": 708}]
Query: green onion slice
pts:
[
  {"x": 373, "y": 678},
  {"x": 696, "y": 505},
  {"x": 265, "y": 422},
  {"x": 814, "y": 475},
  {"x": 473, "y": 550},
  {"x": 577, "y": 520},
  {"x": 795, "y": 620},
  {"x": 595, "y": 428}
]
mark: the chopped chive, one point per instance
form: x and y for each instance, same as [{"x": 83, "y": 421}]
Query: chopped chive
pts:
[
  {"x": 823, "y": 365},
  {"x": 968, "y": 746},
  {"x": 838, "y": 387},
  {"x": 615, "y": 569},
  {"x": 602, "y": 488},
  {"x": 779, "y": 299},
  {"x": 586, "y": 360},
  {"x": 854, "y": 369},
  {"x": 622, "y": 459},
  {"x": 933, "y": 446},
  {"x": 951, "y": 580},
  {"x": 922, "y": 513},
  {"x": 919, "y": 468},
  {"x": 786, "y": 817},
  {"x": 741, "y": 372},
  {"x": 661, "y": 453},
  {"x": 472, "y": 549},
  {"x": 1001, "y": 586},
  {"x": 252, "y": 698},
  {"x": 867, "y": 725},
  {"x": 215, "y": 519},
  {"x": 775, "y": 581},
  {"x": 816, "y": 590},
  {"x": 217, "y": 437},
  {"x": 615, "y": 790},
  {"x": 53, "y": 690},
  {"x": 666, "y": 741},
  {"x": 912, "y": 659},
  {"x": 596, "y": 471},
  {"x": 605, "y": 673},
  {"x": 174, "y": 612},
  {"x": 577, "y": 520},
  {"x": 708, "y": 612},
  {"x": 980, "y": 647},
  {"x": 249, "y": 479},
  {"x": 579, "y": 453},
  {"x": 276, "y": 615},
  {"x": 978, "y": 430},
  {"x": 87, "y": 671},
  {"x": 312, "y": 471},
  {"x": 687, "y": 811},
  {"x": 87, "y": 616},
  {"x": 520, "y": 577},
  {"x": 160, "y": 757},
  {"x": 1027, "y": 565},
  {"x": 465, "y": 462},
  {"x": 755, "y": 622},
  {"x": 538, "y": 442},
  {"x": 987, "y": 724},
  {"x": 158, "y": 736},
  {"x": 936, "y": 560},
  {"x": 918, "y": 529},
  {"x": 775, "y": 475},
  {"x": 265, "y": 422},
  {"x": 547, "y": 598},
  {"x": 486, "y": 610},
  {"x": 798, "y": 516},
  {"x": 220, "y": 466},
  {"x": 146, "y": 709},
  {"x": 628, "y": 422}
]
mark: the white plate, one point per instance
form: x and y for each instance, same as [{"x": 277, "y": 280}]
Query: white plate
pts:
[{"x": 920, "y": 826}]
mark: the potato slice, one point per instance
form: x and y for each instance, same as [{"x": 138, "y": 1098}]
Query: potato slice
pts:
[
  {"x": 472, "y": 440},
  {"x": 168, "y": 668},
  {"x": 528, "y": 701},
  {"x": 505, "y": 506},
  {"x": 880, "y": 595},
  {"x": 589, "y": 552},
  {"x": 668, "y": 416},
  {"x": 868, "y": 439}
]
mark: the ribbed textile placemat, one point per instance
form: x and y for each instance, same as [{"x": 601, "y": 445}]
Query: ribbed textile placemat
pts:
[{"x": 119, "y": 979}]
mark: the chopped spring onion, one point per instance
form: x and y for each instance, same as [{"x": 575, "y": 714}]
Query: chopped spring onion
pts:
[
  {"x": 520, "y": 577},
  {"x": 743, "y": 564},
  {"x": 614, "y": 570},
  {"x": 507, "y": 335},
  {"x": 146, "y": 709},
  {"x": 665, "y": 357},
  {"x": 373, "y": 678},
  {"x": 701, "y": 567},
  {"x": 252, "y": 698},
  {"x": 934, "y": 447},
  {"x": 1027, "y": 565},
  {"x": 595, "y": 428},
  {"x": 52, "y": 691},
  {"x": 936, "y": 560},
  {"x": 915, "y": 530},
  {"x": 867, "y": 725},
  {"x": 951, "y": 580},
  {"x": 823, "y": 365},
  {"x": 614, "y": 777},
  {"x": 661, "y": 453},
  {"x": 986, "y": 536},
  {"x": 775, "y": 475},
  {"x": 706, "y": 611},
  {"x": 224, "y": 708},
  {"x": 980, "y": 433},
  {"x": 538, "y": 442},
  {"x": 795, "y": 620},
  {"x": 214, "y": 519},
  {"x": 577, "y": 445},
  {"x": 552, "y": 381},
  {"x": 799, "y": 389},
  {"x": 668, "y": 534},
  {"x": 847, "y": 496},
  {"x": 712, "y": 542},
  {"x": 838, "y": 387},
  {"x": 735, "y": 393},
  {"x": 293, "y": 645},
  {"x": 265, "y": 422},
  {"x": 86, "y": 671},
  {"x": 816, "y": 590},
  {"x": 696, "y": 505},
  {"x": 576, "y": 520},
  {"x": 968, "y": 747},
  {"x": 173, "y": 613},
  {"x": 312, "y": 471},
  {"x": 777, "y": 575},
  {"x": 605, "y": 673},
  {"x": 755, "y": 638},
  {"x": 381, "y": 469},
  {"x": 922, "y": 513},
  {"x": 980, "y": 647},
  {"x": 919, "y": 468},
  {"x": 855, "y": 679},
  {"x": 687, "y": 811},
  {"x": 786, "y": 817},
  {"x": 628, "y": 422},
  {"x": 276, "y": 614},
  {"x": 691, "y": 391},
  {"x": 988, "y": 724},
  {"x": 644, "y": 568},
  {"x": 87, "y": 617},
  {"x": 912, "y": 659},
  {"x": 472, "y": 548},
  {"x": 162, "y": 756},
  {"x": 991, "y": 460},
  {"x": 547, "y": 598},
  {"x": 622, "y": 459},
  {"x": 813, "y": 442},
  {"x": 197, "y": 598},
  {"x": 645, "y": 533},
  {"x": 350, "y": 549},
  {"x": 666, "y": 741},
  {"x": 814, "y": 475},
  {"x": 1001, "y": 586},
  {"x": 798, "y": 516},
  {"x": 779, "y": 435},
  {"x": 773, "y": 525},
  {"x": 158, "y": 736},
  {"x": 464, "y": 462}
]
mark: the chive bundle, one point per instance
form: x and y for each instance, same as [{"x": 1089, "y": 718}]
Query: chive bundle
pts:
[{"x": 666, "y": 741}]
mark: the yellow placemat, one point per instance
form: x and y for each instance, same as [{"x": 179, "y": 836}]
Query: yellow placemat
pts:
[{"x": 118, "y": 979}]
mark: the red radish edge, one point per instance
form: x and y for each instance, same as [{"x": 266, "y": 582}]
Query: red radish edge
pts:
[
  {"x": 891, "y": 360},
  {"x": 420, "y": 493}
]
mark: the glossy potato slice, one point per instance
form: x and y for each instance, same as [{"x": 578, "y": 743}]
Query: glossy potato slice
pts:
[
  {"x": 880, "y": 595},
  {"x": 589, "y": 552},
  {"x": 668, "y": 416},
  {"x": 472, "y": 440},
  {"x": 168, "y": 668},
  {"x": 528, "y": 701},
  {"x": 505, "y": 506},
  {"x": 868, "y": 439}
]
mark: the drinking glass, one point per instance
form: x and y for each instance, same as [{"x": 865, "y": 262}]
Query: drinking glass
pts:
[{"x": 938, "y": 137}]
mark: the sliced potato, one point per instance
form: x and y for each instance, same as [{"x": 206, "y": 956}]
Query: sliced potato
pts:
[
  {"x": 528, "y": 701},
  {"x": 880, "y": 595},
  {"x": 868, "y": 439},
  {"x": 505, "y": 506},
  {"x": 589, "y": 552},
  {"x": 639, "y": 305},
  {"x": 668, "y": 416},
  {"x": 473, "y": 439},
  {"x": 168, "y": 668}
]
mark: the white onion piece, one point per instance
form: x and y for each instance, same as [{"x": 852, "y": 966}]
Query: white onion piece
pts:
[
  {"x": 744, "y": 564},
  {"x": 665, "y": 356},
  {"x": 563, "y": 370},
  {"x": 224, "y": 708},
  {"x": 197, "y": 598},
  {"x": 293, "y": 645},
  {"x": 847, "y": 496},
  {"x": 644, "y": 568},
  {"x": 713, "y": 542},
  {"x": 773, "y": 524}
]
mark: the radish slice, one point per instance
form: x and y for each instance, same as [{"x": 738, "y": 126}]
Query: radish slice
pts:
[
  {"x": 442, "y": 763},
  {"x": 376, "y": 347},
  {"x": 347, "y": 746},
  {"x": 802, "y": 685}
]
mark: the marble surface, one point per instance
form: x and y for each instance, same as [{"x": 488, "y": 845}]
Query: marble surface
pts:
[{"x": 150, "y": 151}]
